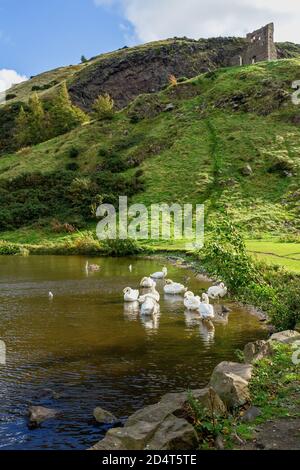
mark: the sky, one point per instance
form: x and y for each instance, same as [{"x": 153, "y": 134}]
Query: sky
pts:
[{"x": 38, "y": 35}]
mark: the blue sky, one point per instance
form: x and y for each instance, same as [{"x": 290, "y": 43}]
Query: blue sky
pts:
[{"x": 38, "y": 35}]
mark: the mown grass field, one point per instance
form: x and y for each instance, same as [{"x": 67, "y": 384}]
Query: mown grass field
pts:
[{"x": 276, "y": 252}]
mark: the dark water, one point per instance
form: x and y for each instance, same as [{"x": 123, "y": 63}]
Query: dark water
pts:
[{"x": 85, "y": 348}]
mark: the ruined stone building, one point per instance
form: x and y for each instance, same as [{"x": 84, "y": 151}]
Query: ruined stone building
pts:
[{"x": 260, "y": 46}]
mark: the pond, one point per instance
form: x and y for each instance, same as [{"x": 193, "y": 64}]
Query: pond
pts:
[{"x": 83, "y": 349}]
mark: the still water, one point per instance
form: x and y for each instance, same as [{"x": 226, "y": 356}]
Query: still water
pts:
[{"x": 83, "y": 350}]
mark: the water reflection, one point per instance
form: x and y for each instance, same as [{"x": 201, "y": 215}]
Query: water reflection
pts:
[{"x": 90, "y": 349}]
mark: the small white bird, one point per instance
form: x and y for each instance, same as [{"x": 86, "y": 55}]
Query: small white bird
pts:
[
  {"x": 215, "y": 292},
  {"x": 130, "y": 268},
  {"x": 153, "y": 294},
  {"x": 130, "y": 295},
  {"x": 149, "y": 306},
  {"x": 91, "y": 267},
  {"x": 160, "y": 275},
  {"x": 51, "y": 296},
  {"x": 147, "y": 283},
  {"x": 174, "y": 288},
  {"x": 191, "y": 302},
  {"x": 206, "y": 310}
]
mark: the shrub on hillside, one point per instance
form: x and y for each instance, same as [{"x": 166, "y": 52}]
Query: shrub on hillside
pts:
[
  {"x": 103, "y": 107},
  {"x": 73, "y": 152},
  {"x": 72, "y": 166}
]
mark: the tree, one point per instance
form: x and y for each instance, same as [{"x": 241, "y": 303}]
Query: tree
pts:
[
  {"x": 36, "y": 125},
  {"x": 63, "y": 115},
  {"x": 83, "y": 59},
  {"x": 104, "y": 107},
  {"x": 22, "y": 131}
]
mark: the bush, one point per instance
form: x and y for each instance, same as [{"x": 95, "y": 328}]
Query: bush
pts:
[
  {"x": 73, "y": 166},
  {"x": 120, "y": 248},
  {"x": 281, "y": 165},
  {"x": 8, "y": 248},
  {"x": 104, "y": 107},
  {"x": 73, "y": 152}
]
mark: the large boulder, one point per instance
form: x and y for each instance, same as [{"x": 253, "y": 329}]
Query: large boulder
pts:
[
  {"x": 162, "y": 426},
  {"x": 171, "y": 433},
  {"x": 104, "y": 417},
  {"x": 256, "y": 351},
  {"x": 287, "y": 337},
  {"x": 230, "y": 381},
  {"x": 39, "y": 414}
]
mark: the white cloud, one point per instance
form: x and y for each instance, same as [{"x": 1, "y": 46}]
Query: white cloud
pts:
[
  {"x": 9, "y": 78},
  {"x": 157, "y": 19}
]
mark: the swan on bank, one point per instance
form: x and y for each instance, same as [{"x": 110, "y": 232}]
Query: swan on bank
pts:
[{"x": 215, "y": 292}]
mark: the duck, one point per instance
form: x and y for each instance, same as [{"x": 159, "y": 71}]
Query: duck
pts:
[
  {"x": 206, "y": 310},
  {"x": 130, "y": 295},
  {"x": 147, "y": 283},
  {"x": 191, "y": 302},
  {"x": 149, "y": 306},
  {"x": 153, "y": 294},
  {"x": 92, "y": 267},
  {"x": 215, "y": 292},
  {"x": 160, "y": 275},
  {"x": 51, "y": 296},
  {"x": 174, "y": 288}
]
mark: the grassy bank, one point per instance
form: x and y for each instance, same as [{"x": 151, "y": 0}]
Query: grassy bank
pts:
[{"x": 274, "y": 390}]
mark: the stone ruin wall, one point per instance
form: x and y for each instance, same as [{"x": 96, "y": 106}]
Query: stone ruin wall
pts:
[{"x": 260, "y": 47}]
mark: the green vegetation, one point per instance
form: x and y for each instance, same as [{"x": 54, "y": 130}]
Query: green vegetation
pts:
[
  {"x": 103, "y": 107},
  {"x": 274, "y": 388},
  {"x": 198, "y": 150},
  {"x": 273, "y": 289},
  {"x": 44, "y": 120}
]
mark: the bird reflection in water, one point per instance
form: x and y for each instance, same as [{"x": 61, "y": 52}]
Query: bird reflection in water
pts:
[{"x": 206, "y": 327}]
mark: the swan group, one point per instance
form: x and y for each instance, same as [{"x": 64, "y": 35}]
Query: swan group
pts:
[{"x": 147, "y": 303}]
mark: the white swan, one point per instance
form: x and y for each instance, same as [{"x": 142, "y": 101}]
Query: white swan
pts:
[
  {"x": 191, "y": 302},
  {"x": 206, "y": 310},
  {"x": 174, "y": 288},
  {"x": 160, "y": 275},
  {"x": 153, "y": 294},
  {"x": 92, "y": 267},
  {"x": 147, "y": 283},
  {"x": 149, "y": 306},
  {"x": 51, "y": 296},
  {"x": 215, "y": 292},
  {"x": 130, "y": 295}
]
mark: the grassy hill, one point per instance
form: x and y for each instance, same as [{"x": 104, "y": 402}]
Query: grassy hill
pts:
[{"x": 227, "y": 138}]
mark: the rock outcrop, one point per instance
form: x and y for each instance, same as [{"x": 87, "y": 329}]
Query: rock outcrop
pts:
[
  {"x": 230, "y": 381},
  {"x": 39, "y": 414},
  {"x": 104, "y": 417},
  {"x": 161, "y": 426},
  {"x": 256, "y": 351},
  {"x": 287, "y": 337}
]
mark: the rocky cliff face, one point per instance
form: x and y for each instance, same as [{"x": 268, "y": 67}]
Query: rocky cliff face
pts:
[{"x": 131, "y": 72}]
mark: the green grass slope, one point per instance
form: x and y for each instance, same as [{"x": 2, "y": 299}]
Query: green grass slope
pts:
[{"x": 195, "y": 150}]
